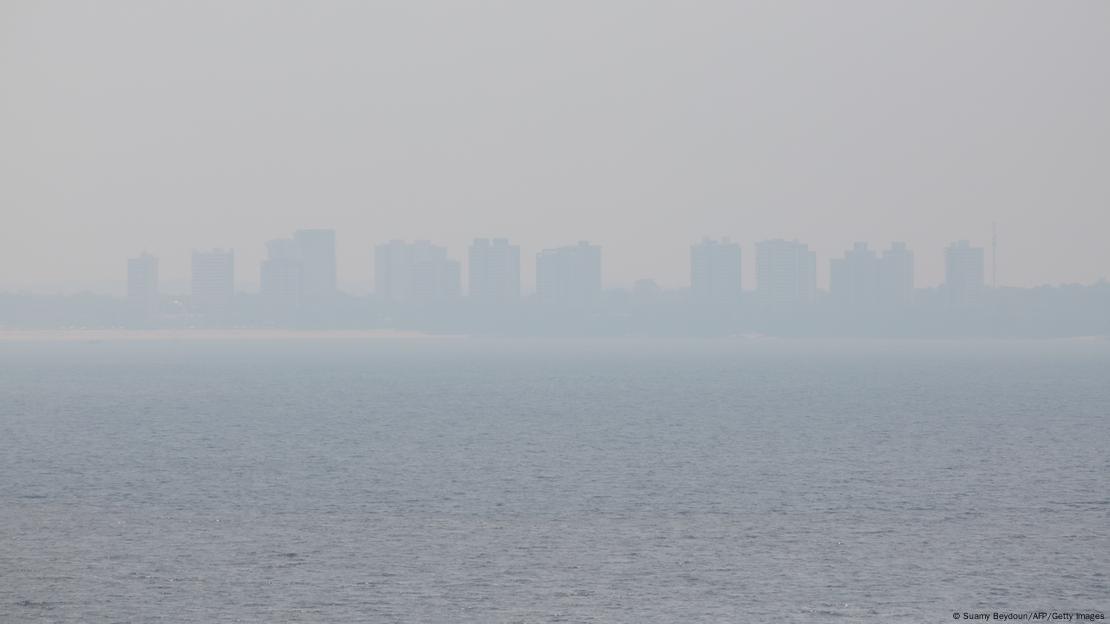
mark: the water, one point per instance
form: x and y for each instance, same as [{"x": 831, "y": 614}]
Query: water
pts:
[{"x": 484, "y": 481}]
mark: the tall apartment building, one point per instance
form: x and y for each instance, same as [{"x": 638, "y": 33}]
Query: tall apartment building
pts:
[
  {"x": 786, "y": 272},
  {"x": 715, "y": 271},
  {"x": 418, "y": 272},
  {"x": 281, "y": 277},
  {"x": 854, "y": 279},
  {"x": 569, "y": 275},
  {"x": 494, "y": 271},
  {"x": 142, "y": 284},
  {"x": 213, "y": 282},
  {"x": 299, "y": 273},
  {"x": 896, "y": 275},
  {"x": 963, "y": 272}
]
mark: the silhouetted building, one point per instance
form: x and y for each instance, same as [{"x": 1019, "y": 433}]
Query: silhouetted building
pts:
[
  {"x": 213, "y": 282},
  {"x": 142, "y": 285},
  {"x": 316, "y": 249},
  {"x": 494, "y": 271},
  {"x": 715, "y": 271},
  {"x": 896, "y": 275},
  {"x": 854, "y": 279},
  {"x": 281, "y": 278},
  {"x": 392, "y": 265},
  {"x": 963, "y": 272},
  {"x": 786, "y": 272},
  {"x": 418, "y": 272},
  {"x": 569, "y": 275}
]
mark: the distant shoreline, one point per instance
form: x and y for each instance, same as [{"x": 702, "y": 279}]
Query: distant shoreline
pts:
[
  {"x": 277, "y": 334},
  {"x": 98, "y": 335}
]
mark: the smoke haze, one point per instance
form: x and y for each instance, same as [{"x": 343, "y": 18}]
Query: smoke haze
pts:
[{"x": 638, "y": 126}]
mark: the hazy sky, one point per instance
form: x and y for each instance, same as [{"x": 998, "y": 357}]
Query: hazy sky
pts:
[{"x": 641, "y": 126}]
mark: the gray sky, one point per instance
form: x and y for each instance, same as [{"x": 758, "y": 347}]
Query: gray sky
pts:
[{"x": 641, "y": 126}]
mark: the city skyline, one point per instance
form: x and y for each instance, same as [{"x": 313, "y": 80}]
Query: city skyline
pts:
[
  {"x": 336, "y": 276},
  {"x": 302, "y": 270},
  {"x": 251, "y": 278},
  {"x": 873, "y": 292},
  {"x": 357, "y": 276}
]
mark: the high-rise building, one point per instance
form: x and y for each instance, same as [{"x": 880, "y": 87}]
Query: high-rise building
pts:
[
  {"x": 213, "y": 282},
  {"x": 854, "y": 279},
  {"x": 281, "y": 277},
  {"x": 418, "y": 272},
  {"x": 316, "y": 249},
  {"x": 434, "y": 276},
  {"x": 715, "y": 271},
  {"x": 569, "y": 275},
  {"x": 786, "y": 272},
  {"x": 494, "y": 271},
  {"x": 963, "y": 272},
  {"x": 896, "y": 275},
  {"x": 142, "y": 285},
  {"x": 392, "y": 266}
]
